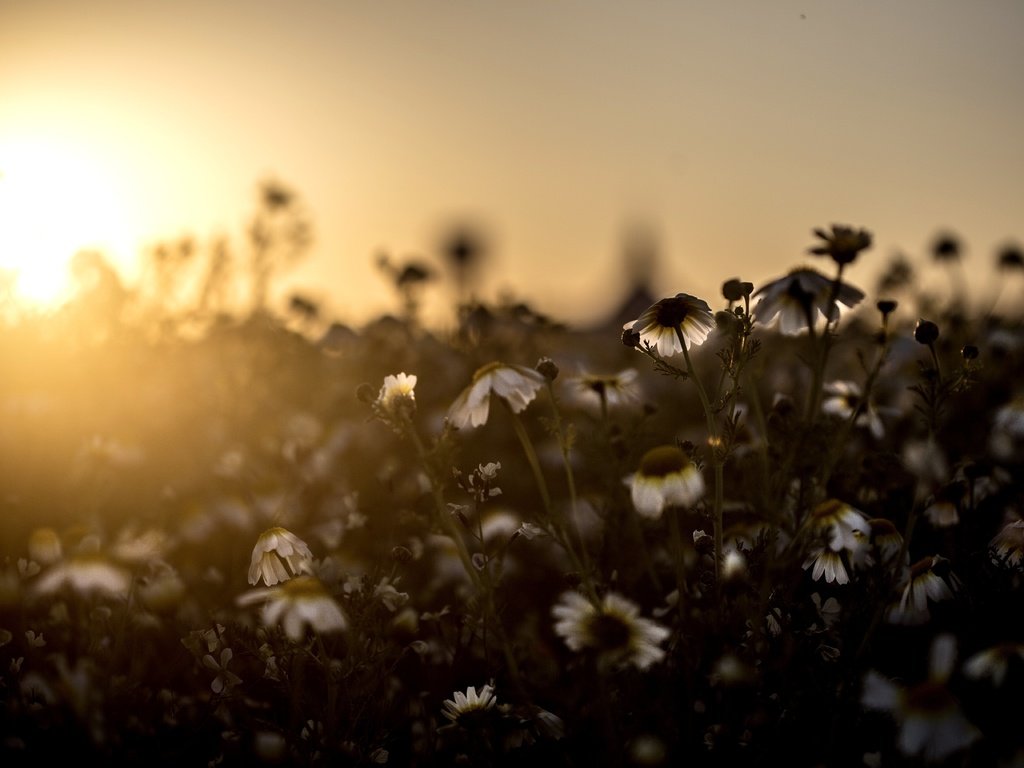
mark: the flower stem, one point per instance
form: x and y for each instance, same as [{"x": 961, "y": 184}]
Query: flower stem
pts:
[
  {"x": 554, "y": 523},
  {"x": 713, "y": 441}
]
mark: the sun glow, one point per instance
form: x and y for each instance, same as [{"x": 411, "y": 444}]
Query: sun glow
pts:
[{"x": 55, "y": 200}]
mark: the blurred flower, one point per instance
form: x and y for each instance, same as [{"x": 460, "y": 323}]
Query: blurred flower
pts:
[
  {"x": 88, "y": 573},
  {"x": 393, "y": 599},
  {"x": 466, "y": 707},
  {"x": 44, "y": 546},
  {"x": 612, "y": 389},
  {"x": 273, "y": 545},
  {"x": 1008, "y": 545},
  {"x": 927, "y": 461},
  {"x": 298, "y": 603},
  {"x": 614, "y": 630},
  {"x": 1007, "y": 436},
  {"x": 396, "y": 391},
  {"x": 515, "y": 384},
  {"x": 885, "y": 540},
  {"x": 801, "y": 296},
  {"x": 993, "y": 663},
  {"x": 163, "y": 590},
  {"x": 946, "y": 248},
  {"x": 931, "y": 723},
  {"x": 225, "y": 679},
  {"x": 661, "y": 324},
  {"x": 944, "y": 509},
  {"x": 666, "y": 477},
  {"x": 929, "y": 579},
  {"x": 845, "y": 398},
  {"x": 843, "y": 244}
]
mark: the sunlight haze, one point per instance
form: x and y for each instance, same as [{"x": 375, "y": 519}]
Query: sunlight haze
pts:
[{"x": 727, "y": 130}]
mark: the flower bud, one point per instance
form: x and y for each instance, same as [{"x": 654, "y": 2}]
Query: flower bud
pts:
[
  {"x": 546, "y": 367},
  {"x": 926, "y": 332}
]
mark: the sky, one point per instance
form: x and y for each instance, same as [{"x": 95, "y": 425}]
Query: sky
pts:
[{"x": 726, "y": 130}]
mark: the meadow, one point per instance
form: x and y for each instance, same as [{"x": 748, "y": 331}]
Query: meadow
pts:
[{"x": 780, "y": 525}]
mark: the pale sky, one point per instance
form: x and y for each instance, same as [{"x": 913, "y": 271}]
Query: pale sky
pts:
[{"x": 731, "y": 129}]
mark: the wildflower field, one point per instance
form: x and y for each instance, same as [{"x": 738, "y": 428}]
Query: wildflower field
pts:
[{"x": 782, "y": 525}]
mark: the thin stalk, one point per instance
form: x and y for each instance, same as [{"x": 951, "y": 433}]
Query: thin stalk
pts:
[
  {"x": 716, "y": 463},
  {"x": 556, "y": 526}
]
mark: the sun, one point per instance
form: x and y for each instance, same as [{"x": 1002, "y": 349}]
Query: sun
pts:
[{"x": 55, "y": 200}]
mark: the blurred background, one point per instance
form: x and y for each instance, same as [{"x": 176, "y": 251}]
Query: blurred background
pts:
[{"x": 563, "y": 141}]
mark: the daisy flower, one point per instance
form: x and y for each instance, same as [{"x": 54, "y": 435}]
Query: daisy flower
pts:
[
  {"x": 666, "y": 477},
  {"x": 278, "y": 555},
  {"x": 843, "y": 244},
  {"x": 395, "y": 391},
  {"x": 931, "y": 723},
  {"x": 842, "y": 526},
  {"x": 613, "y": 630},
  {"x": 515, "y": 384},
  {"x": 661, "y": 324},
  {"x": 924, "y": 584},
  {"x": 1008, "y": 545},
  {"x": 845, "y": 398},
  {"x": 609, "y": 390},
  {"x": 297, "y": 604},
  {"x": 993, "y": 663},
  {"x": 87, "y": 573},
  {"x": 801, "y": 295},
  {"x": 463, "y": 708}
]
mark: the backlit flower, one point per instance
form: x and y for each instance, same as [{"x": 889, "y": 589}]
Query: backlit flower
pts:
[
  {"x": 614, "y": 631},
  {"x": 666, "y": 477},
  {"x": 515, "y": 384},
  {"x": 801, "y": 296},
  {"x": 929, "y": 580},
  {"x": 278, "y": 555},
  {"x": 843, "y": 399},
  {"x": 297, "y": 604},
  {"x": 993, "y": 663},
  {"x": 88, "y": 573},
  {"x": 843, "y": 244},
  {"x": 464, "y": 707},
  {"x": 611, "y": 389},
  {"x": 931, "y": 722},
  {"x": 661, "y": 324},
  {"x": 1007, "y": 546},
  {"x": 395, "y": 391}
]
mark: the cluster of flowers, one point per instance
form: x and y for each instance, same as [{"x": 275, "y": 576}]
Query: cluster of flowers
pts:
[{"x": 702, "y": 564}]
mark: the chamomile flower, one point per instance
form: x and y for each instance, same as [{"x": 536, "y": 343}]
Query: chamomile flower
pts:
[
  {"x": 462, "y": 708},
  {"x": 87, "y": 573},
  {"x": 296, "y": 604},
  {"x": 278, "y": 555},
  {"x": 801, "y": 296},
  {"x": 843, "y": 527},
  {"x": 515, "y": 384},
  {"x": 608, "y": 390},
  {"x": 666, "y": 477},
  {"x": 994, "y": 662},
  {"x": 843, "y": 399},
  {"x": 396, "y": 391},
  {"x": 931, "y": 722},
  {"x": 1008, "y": 545},
  {"x": 613, "y": 630},
  {"x": 929, "y": 580},
  {"x": 661, "y": 324}
]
